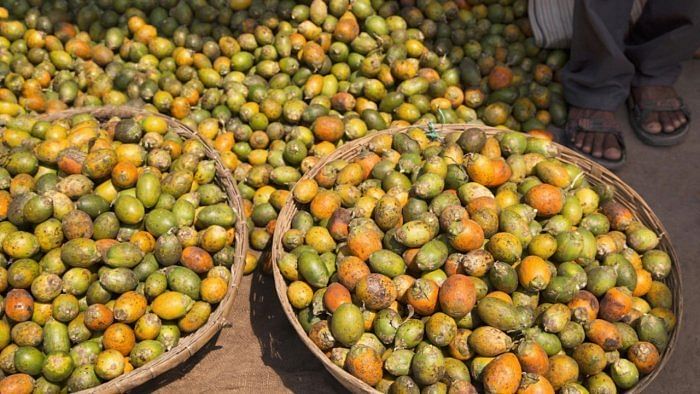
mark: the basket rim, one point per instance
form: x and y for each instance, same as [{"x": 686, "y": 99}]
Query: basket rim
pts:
[
  {"x": 623, "y": 193},
  {"x": 190, "y": 344}
]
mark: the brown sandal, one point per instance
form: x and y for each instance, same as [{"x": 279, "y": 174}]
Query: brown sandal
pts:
[
  {"x": 651, "y": 102},
  {"x": 595, "y": 125}
]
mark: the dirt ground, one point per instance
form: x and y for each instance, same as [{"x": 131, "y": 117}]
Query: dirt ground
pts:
[{"x": 260, "y": 352}]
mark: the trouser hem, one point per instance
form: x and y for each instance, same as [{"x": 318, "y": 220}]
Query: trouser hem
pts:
[
  {"x": 666, "y": 80},
  {"x": 594, "y": 101}
]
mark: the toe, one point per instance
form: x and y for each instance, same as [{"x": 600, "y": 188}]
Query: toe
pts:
[
  {"x": 651, "y": 123},
  {"x": 677, "y": 119},
  {"x": 612, "y": 150},
  {"x": 588, "y": 142},
  {"x": 579, "y": 139},
  {"x": 666, "y": 121},
  {"x": 680, "y": 119},
  {"x": 598, "y": 145}
]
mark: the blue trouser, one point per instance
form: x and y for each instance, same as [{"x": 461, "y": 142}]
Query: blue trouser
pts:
[{"x": 605, "y": 61}]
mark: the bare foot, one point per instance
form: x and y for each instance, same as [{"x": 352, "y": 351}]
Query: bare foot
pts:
[
  {"x": 589, "y": 138},
  {"x": 668, "y": 120}
]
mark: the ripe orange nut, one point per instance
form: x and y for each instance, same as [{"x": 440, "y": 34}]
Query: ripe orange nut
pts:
[
  {"x": 645, "y": 356},
  {"x": 350, "y": 270},
  {"x": 120, "y": 337},
  {"x": 213, "y": 289},
  {"x": 620, "y": 216},
  {"x": 124, "y": 174},
  {"x": 19, "y": 305},
  {"x": 503, "y": 296},
  {"x": 535, "y": 384},
  {"x": 19, "y": 383},
  {"x": 453, "y": 265},
  {"x": 336, "y": 294},
  {"x": 584, "y": 306},
  {"x": 604, "y": 334},
  {"x": 98, "y": 317},
  {"x": 644, "y": 281},
  {"x": 338, "y": 224},
  {"x": 500, "y": 77},
  {"x": 324, "y": 204},
  {"x": 548, "y": 200},
  {"x": 479, "y": 203},
  {"x": 490, "y": 172},
  {"x": 347, "y": 28},
  {"x": 457, "y": 296},
  {"x": 197, "y": 259},
  {"x": 403, "y": 284},
  {"x": 103, "y": 245},
  {"x": 562, "y": 370},
  {"x": 423, "y": 296},
  {"x": 544, "y": 134},
  {"x": 71, "y": 161},
  {"x": 534, "y": 273},
  {"x": 471, "y": 237},
  {"x": 365, "y": 364},
  {"x": 376, "y": 291},
  {"x": 616, "y": 304},
  {"x": 363, "y": 243},
  {"x": 532, "y": 357},
  {"x": 502, "y": 375},
  {"x": 144, "y": 240},
  {"x": 328, "y": 128}
]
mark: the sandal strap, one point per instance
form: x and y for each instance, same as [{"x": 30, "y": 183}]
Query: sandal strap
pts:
[
  {"x": 642, "y": 109},
  {"x": 658, "y": 99},
  {"x": 587, "y": 125},
  {"x": 595, "y": 124},
  {"x": 661, "y": 104}
]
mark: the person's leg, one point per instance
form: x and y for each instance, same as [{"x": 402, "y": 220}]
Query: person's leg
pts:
[
  {"x": 597, "y": 77},
  {"x": 598, "y": 74},
  {"x": 667, "y": 33}
]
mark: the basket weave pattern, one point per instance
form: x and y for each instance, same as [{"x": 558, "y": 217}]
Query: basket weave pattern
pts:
[{"x": 596, "y": 174}]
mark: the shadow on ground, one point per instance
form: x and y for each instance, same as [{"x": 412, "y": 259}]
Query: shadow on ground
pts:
[
  {"x": 181, "y": 370},
  {"x": 289, "y": 357}
]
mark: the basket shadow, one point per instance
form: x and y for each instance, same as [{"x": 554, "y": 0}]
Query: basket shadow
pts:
[
  {"x": 181, "y": 370},
  {"x": 281, "y": 350}
]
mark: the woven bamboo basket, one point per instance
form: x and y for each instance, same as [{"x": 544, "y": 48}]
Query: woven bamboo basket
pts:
[
  {"x": 190, "y": 344},
  {"x": 596, "y": 174}
]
